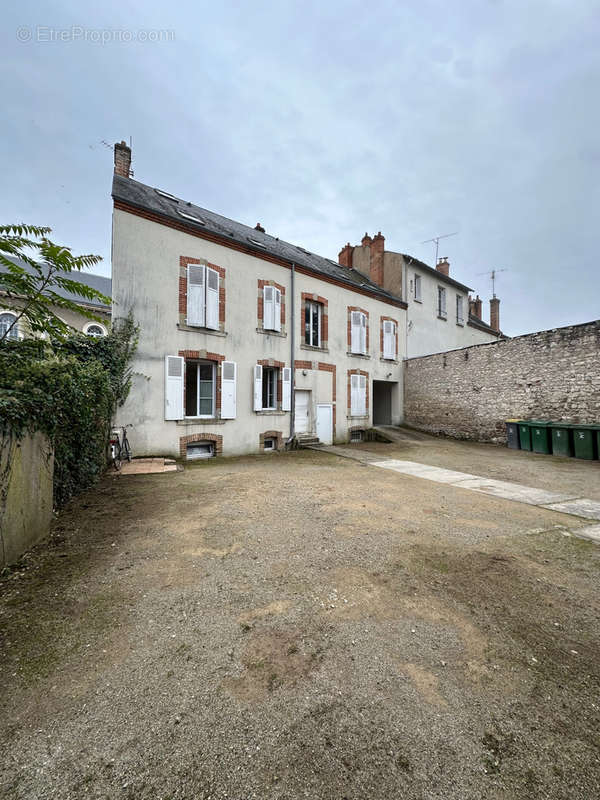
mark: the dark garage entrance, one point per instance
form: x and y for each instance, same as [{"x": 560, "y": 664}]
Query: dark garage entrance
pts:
[{"x": 382, "y": 402}]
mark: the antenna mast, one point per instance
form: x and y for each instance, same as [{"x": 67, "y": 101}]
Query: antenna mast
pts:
[
  {"x": 436, "y": 240},
  {"x": 492, "y": 275}
]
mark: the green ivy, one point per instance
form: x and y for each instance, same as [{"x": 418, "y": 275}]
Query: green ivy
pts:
[{"x": 68, "y": 389}]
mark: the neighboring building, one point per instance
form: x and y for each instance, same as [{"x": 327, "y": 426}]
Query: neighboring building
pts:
[
  {"x": 245, "y": 339},
  {"x": 79, "y": 322},
  {"x": 441, "y": 314}
]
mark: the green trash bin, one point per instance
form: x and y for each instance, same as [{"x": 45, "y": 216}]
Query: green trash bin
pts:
[
  {"x": 524, "y": 434},
  {"x": 512, "y": 434},
  {"x": 584, "y": 441},
  {"x": 540, "y": 436},
  {"x": 562, "y": 438}
]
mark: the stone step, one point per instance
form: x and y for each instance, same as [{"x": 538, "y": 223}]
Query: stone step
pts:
[{"x": 306, "y": 440}]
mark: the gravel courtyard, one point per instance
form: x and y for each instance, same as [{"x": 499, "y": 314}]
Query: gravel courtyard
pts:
[{"x": 304, "y": 626}]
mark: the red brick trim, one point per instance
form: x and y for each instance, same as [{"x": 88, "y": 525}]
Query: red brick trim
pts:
[
  {"x": 303, "y": 364},
  {"x": 260, "y": 299},
  {"x": 197, "y": 355},
  {"x": 211, "y": 237},
  {"x": 357, "y": 372},
  {"x": 332, "y": 369},
  {"x": 324, "y": 319},
  {"x": 200, "y": 437},
  {"x": 364, "y": 311},
  {"x": 381, "y": 321},
  {"x": 183, "y": 263},
  {"x": 277, "y": 435}
]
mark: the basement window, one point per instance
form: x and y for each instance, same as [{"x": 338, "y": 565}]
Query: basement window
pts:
[
  {"x": 356, "y": 436},
  {"x": 197, "y": 450},
  {"x": 270, "y": 445}
]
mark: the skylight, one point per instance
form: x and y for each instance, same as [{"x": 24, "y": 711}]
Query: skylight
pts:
[
  {"x": 256, "y": 242},
  {"x": 191, "y": 217},
  {"x": 167, "y": 195}
]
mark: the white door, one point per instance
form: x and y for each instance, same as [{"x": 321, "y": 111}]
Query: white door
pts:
[
  {"x": 325, "y": 423},
  {"x": 302, "y": 411}
]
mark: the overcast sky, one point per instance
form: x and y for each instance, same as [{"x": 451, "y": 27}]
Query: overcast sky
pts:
[{"x": 323, "y": 120}]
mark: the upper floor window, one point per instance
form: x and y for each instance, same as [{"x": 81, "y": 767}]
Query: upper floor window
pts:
[
  {"x": 200, "y": 389},
  {"x": 313, "y": 314},
  {"x": 418, "y": 288},
  {"x": 389, "y": 340},
  {"x": 459, "y": 310},
  {"x": 202, "y": 296},
  {"x": 442, "y": 302},
  {"x": 271, "y": 308},
  {"x": 8, "y": 326},
  {"x": 94, "y": 330},
  {"x": 358, "y": 332}
]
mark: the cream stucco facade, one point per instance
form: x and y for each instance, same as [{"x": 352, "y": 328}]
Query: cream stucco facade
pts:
[{"x": 147, "y": 273}]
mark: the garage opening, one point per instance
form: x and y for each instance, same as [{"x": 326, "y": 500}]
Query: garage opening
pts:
[{"x": 382, "y": 402}]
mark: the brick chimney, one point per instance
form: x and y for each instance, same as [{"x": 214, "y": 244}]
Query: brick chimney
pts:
[
  {"x": 495, "y": 314},
  {"x": 443, "y": 265},
  {"x": 259, "y": 227},
  {"x": 366, "y": 240},
  {"x": 377, "y": 249},
  {"x": 345, "y": 256},
  {"x": 475, "y": 307},
  {"x": 123, "y": 160}
]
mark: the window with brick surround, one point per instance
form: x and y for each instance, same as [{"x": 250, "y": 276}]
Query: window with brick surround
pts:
[
  {"x": 200, "y": 388},
  {"x": 270, "y": 377},
  {"x": 358, "y": 332},
  {"x": 389, "y": 337},
  {"x": 201, "y": 295},
  {"x": 313, "y": 316}
]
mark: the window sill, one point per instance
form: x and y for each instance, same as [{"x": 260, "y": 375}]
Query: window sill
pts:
[
  {"x": 358, "y": 417},
  {"x": 201, "y": 421},
  {"x": 461, "y": 324},
  {"x": 267, "y": 332},
  {"x": 266, "y": 412},
  {"x": 358, "y": 355},
  {"x": 441, "y": 317},
  {"x": 416, "y": 300},
  {"x": 312, "y": 347},
  {"x": 198, "y": 329},
  {"x": 389, "y": 360}
]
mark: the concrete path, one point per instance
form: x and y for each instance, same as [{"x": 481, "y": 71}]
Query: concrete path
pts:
[{"x": 553, "y": 501}]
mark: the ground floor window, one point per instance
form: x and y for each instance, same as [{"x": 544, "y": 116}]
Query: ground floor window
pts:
[
  {"x": 199, "y": 389},
  {"x": 269, "y": 387},
  {"x": 6, "y": 320}
]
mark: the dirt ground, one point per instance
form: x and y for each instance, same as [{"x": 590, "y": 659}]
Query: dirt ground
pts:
[{"x": 305, "y": 626}]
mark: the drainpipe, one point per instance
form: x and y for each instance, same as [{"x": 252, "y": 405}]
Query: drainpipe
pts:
[{"x": 292, "y": 350}]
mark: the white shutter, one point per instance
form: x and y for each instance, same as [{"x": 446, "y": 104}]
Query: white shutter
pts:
[
  {"x": 389, "y": 339},
  {"x": 212, "y": 299},
  {"x": 286, "y": 389},
  {"x": 173, "y": 387},
  {"x": 363, "y": 333},
  {"x": 354, "y": 389},
  {"x": 355, "y": 329},
  {"x": 362, "y": 395},
  {"x": 258, "y": 387},
  {"x": 196, "y": 293},
  {"x": 393, "y": 348},
  {"x": 268, "y": 309},
  {"x": 228, "y": 389},
  {"x": 276, "y": 310}
]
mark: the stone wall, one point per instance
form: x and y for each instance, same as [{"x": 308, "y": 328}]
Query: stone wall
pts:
[
  {"x": 468, "y": 393},
  {"x": 26, "y": 473}
]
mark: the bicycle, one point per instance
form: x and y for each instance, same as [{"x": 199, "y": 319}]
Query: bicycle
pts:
[{"x": 120, "y": 449}]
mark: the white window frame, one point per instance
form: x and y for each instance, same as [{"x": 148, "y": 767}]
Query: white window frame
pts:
[
  {"x": 390, "y": 352},
  {"x": 210, "y": 296},
  {"x": 198, "y": 363},
  {"x": 312, "y": 307},
  {"x": 441, "y": 302},
  {"x": 360, "y": 349},
  {"x": 274, "y": 371},
  {"x": 418, "y": 291},
  {"x": 89, "y": 325},
  {"x": 14, "y": 331},
  {"x": 460, "y": 314}
]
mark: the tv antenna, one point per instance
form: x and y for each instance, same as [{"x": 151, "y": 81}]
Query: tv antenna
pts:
[
  {"x": 492, "y": 273},
  {"x": 436, "y": 241}
]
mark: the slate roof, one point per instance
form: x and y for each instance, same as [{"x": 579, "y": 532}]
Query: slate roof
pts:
[
  {"x": 414, "y": 262},
  {"x": 98, "y": 282},
  {"x": 147, "y": 198}
]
